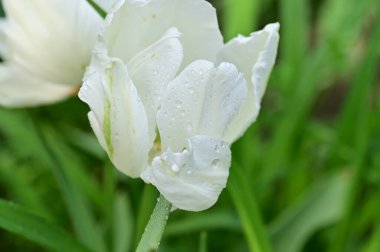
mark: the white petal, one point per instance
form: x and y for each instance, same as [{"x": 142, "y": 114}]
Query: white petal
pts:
[
  {"x": 153, "y": 68},
  {"x": 3, "y": 38},
  {"x": 146, "y": 20},
  {"x": 202, "y": 100},
  {"x": 194, "y": 178},
  {"x": 118, "y": 117},
  {"x": 52, "y": 39},
  {"x": 254, "y": 56},
  {"x": 19, "y": 89}
]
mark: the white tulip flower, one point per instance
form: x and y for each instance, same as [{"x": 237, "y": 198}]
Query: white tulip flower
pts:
[
  {"x": 46, "y": 46},
  {"x": 168, "y": 99}
]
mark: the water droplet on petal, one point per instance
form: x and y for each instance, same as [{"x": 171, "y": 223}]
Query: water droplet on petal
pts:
[
  {"x": 215, "y": 163},
  {"x": 175, "y": 168}
]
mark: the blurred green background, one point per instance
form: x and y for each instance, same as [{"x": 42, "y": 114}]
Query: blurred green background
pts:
[{"x": 305, "y": 177}]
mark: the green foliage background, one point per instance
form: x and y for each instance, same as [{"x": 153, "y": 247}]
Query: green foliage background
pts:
[{"x": 305, "y": 177}]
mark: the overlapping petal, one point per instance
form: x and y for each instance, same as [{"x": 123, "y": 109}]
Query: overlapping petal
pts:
[
  {"x": 118, "y": 117},
  {"x": 134, "y": 25},
  {"x": 202, "y": 100},
  {"x": 195, "y": 113},
  {"x": 254, "y": 56},
  {"x": 150, "y": 70},
  {"x": 198, "y": 114},
  {"x": 193, "y": 178},
  {"x": 153, "y": 68}
]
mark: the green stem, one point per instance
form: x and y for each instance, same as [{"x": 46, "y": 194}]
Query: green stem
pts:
[{"x": 155, "y": 228}]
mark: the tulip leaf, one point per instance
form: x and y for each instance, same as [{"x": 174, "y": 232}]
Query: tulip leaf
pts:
[
  {"x": 248, "y": 210},
  {"x": 122, "y": 224},
  {"x": 320, "y": 206},
  {"x": 18, "y": 220},
  {"x": 196, "y": 222}
]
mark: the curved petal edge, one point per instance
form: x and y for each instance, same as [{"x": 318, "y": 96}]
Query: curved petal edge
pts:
[{"x": 192, "y": 179}]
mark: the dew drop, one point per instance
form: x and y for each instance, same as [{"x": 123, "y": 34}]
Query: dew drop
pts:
[
  {"x": 175, "y": 168},
  {"x": 215, "y": 163}
]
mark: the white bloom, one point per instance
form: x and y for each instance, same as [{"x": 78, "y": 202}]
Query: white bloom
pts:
[
  {"x": 133, "y": 90},
  {"x": 46, "y": 46}
]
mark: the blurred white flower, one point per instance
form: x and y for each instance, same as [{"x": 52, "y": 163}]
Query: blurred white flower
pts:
[
  {"x": 134, "y": 92},
  {"x": 46, "y": 46}
]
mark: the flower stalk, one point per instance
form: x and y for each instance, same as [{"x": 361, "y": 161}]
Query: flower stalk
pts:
[{"x": 151, "y": 237}]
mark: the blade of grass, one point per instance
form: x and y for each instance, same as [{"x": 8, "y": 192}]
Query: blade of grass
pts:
[
  {"x": 196, "y": 222},
  {"x": 357, "y": 107},
  {"x": 98, "y": 9},
  {"x": 15, "y": 179},
  {"x": 321, "y": 205},
  {"x": 81, "y": 179},
  {"x": 248, "y": 210},
  {"x": 241, "y": 17},
  {"x": 295, "y": 29},
  {"x": 122, "y": 235},
  {"x": 203, "y": 242},
  {"x": 315, "y": 68},
  {"x": 374, "y": 242},
  {"x": 76, "y": 205},
  {"x": 18, "y": 220}
]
